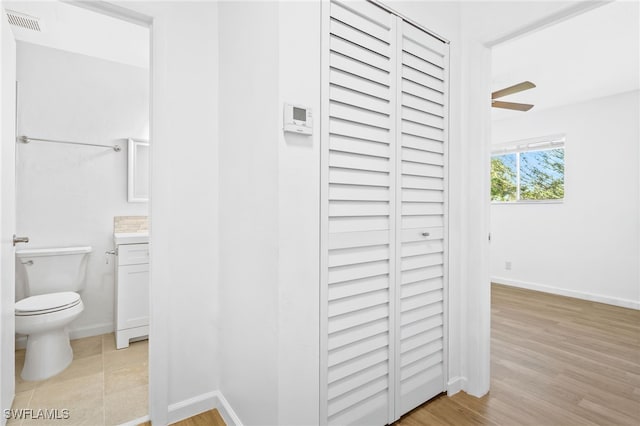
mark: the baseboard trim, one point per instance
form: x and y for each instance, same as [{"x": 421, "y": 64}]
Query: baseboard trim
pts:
[
  {"x": 616, "y": 301},
  {"x": 228, "y": 415},
  {"x": 78, "y": 333},
  {"x": 455, "y": 385},
  {"x": 201, "y": 403},
  {"x": 136, "y": 422},
  {"x": 92, "y": 330}
]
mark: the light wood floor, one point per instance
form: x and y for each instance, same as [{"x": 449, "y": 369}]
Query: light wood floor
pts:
[
  {"x": 554, "y": 361},
  {"x": 208, "y": 418}
]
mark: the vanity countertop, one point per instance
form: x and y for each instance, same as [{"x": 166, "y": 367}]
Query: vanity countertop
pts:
[{"x": 130, "y": 237}]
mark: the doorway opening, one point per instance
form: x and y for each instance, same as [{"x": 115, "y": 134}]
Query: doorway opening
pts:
[
  {"x": 549, "y": 340},
  {"x": 82, "y": 190}
]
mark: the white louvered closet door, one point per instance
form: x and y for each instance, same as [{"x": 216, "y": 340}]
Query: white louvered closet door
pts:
[
  {"x": 361, "y": 210},
  {"x": 421, "y": 142},
  {"x": 382, "y": 188}
]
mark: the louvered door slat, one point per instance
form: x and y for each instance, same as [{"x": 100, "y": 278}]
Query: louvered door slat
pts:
[
  {"x": 422, "y": 209},
  {"x": 338, "y": 126},
  {"x": 358, "y": 99},
  {"x": 425, "y": 118},
  {"x": 354, "y": 83},
  {"x": 420, "y": 51},
  {"x": 359, "y": 115},
  {"x": 361, "y": 69},
  {"x": 422, "y": 92},
  {"x": 358, "y": 177},
  {"x": 416, "y": 35},
  {"x": 422, "y": 206},
  {"x": 355, "y": 287},
  {"x": 358, "y": 318},
  {"x": 354, "y": 51},
  {"x": 421, "y": 156},
  {"x": 410, "y": 141},
  {"x": 348, "y": 160},
  {"x": 420, "y": 182},
  {"x": 422, "y": 78},
  {"x": 421, "y": 287},
  {"x": 416, "y": 102},
  {"x": 359, "y": 146},
  {"x": 366, "y": 41},
  {"x": 356, "y": 19}
]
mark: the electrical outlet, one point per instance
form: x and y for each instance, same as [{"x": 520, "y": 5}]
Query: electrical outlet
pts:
[{"x": 507, "y": 265}]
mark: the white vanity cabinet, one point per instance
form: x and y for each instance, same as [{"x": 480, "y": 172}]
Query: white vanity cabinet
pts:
[{"x": 132, "y": 293}]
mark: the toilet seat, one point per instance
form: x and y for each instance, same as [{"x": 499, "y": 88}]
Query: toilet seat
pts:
[{"x": 47, "y": 303}]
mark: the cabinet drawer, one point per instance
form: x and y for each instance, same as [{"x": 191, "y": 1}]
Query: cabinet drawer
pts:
[{"x": 133, "y": 254}]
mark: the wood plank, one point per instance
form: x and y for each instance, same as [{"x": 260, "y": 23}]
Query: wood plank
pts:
[{"x": 208, "y": 418}]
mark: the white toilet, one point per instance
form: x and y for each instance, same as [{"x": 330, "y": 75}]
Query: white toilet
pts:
[{"x": 52, "y": 277}]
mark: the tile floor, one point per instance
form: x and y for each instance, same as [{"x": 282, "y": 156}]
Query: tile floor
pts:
[{"x": 102, "y": 386}]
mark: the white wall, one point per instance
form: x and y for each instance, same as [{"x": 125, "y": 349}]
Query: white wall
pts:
[
  {"x": 249, "y": 209},
  {"x": 298, "y": 218},
  {"x": 184, "y": 359},
  {"x": 7, "y": 213},
  {"x": 588, "y": 245},
  {"x": 68, "y": 194}
]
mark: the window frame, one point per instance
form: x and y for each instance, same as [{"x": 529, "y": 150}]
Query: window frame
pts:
[{"x": 545, "y": 143}]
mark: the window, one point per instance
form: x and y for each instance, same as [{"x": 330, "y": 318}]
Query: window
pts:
[{"x": 528, "y": 172}]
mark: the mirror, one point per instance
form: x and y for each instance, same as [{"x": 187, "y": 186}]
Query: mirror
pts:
[{"x": 138, "y": 171}]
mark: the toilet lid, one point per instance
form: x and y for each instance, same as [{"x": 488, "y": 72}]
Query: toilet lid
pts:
[{"x": 45, "y": 303}]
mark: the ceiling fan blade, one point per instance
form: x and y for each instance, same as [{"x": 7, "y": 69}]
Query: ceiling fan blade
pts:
[
  {"x": 511, "y": 105},
  {"x": 525, "y": 85}
]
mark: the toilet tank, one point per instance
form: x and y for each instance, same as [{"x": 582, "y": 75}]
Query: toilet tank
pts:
[{"x": 51, "y": 270}]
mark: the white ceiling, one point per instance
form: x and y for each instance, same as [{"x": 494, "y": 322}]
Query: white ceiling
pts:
[
  {"x": 74, "y": 29},
  {"x": 591, "y": 55}
]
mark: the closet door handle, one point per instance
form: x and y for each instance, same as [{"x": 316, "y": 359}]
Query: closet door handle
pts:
[{"x": 425, "y": 234}]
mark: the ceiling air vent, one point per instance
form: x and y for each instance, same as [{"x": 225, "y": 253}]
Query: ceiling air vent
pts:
[{"x": 24, "y": 21}]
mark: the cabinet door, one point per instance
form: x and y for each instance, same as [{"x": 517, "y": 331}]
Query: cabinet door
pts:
[{"x": 133, "y": 296}]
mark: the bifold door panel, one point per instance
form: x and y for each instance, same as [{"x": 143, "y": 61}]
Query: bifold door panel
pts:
[
  {"x": 360, "y": 200},
  {"x": 384, "y": 215},
  {"x": 421, "y": 247}
]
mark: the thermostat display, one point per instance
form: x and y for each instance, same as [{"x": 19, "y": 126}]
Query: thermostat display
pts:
[
  {"x": 299, "y": 114},
  {"x": 298, "y": 119}
]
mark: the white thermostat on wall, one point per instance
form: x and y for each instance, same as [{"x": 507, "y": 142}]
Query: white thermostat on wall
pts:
[{"x": 298, "y": 119}]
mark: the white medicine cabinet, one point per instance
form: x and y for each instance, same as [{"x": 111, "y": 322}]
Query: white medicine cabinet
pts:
[{"x": 138, "y": 171}]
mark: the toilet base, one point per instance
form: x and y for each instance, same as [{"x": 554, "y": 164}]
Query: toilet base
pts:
[{"x": 47, "y": 354}]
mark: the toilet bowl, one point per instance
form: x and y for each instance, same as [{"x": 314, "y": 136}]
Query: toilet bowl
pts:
[
  {"x": 52, "y": 278},
  {"x": 44, "y": 319}
]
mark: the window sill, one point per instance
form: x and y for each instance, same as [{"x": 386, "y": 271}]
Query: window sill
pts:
[{"x": 528, "y": 202}]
